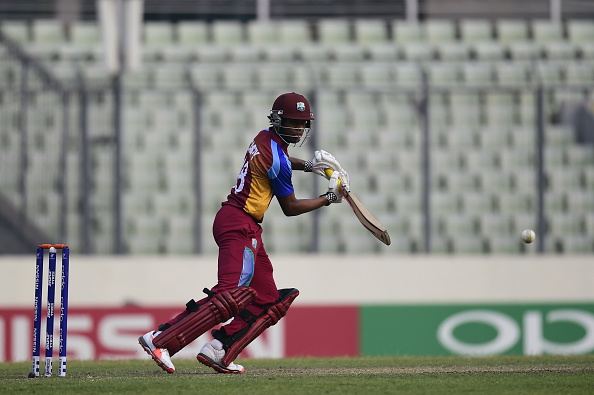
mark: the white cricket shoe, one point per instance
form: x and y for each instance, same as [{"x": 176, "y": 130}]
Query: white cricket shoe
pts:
[
  {"x": 212, "y": 355},
  {"x": 159, "y": 355}
]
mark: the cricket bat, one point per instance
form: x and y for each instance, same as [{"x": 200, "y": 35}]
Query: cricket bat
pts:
[{"x": 364, "y": 216}]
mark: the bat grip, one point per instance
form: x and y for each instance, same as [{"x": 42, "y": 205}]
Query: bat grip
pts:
[{"x": 329, "y": 173}]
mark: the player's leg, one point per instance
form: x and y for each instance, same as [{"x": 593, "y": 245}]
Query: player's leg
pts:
[
  {"x": 231, "y": 339},
  {"x": 218, "y": 307},
  {"x": 225, "y": 300}
]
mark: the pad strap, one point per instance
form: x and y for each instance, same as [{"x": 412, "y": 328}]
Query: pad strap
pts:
[
  {"x": 219, "y": 308},
  {"x": 235, "y": 343}
]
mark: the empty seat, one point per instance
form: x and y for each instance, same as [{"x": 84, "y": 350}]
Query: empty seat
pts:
[
  {"x": 495, "y": 182},
  {"x": 385, "y": 51},
  {"x": 446, "y": 159},
  {"x": 227, "y": 33},
  {"x": 347, "y": 53},
  {"x": 512, "y": 73},
  {"x": 315, "y": 53},
  {"x": 524, "y": 50},
  {"x": 376, "y": 75},
  {"x": 418, "y": 51},
  {"x": 580, "y": 30},
  {"x": 460, "y": 225},
  {"x": 559, "y": 136},
  {"x": 275, "y": 76},
  {"x": 561, "y": 224},
  {"x": 333, "y": 30},
  {"x": 459, "y": 137},
  {"x": 444, "y": 74},
  {"x": 192, "y": 33},
  {"x": 276, "y": 53},
  {"x": 549, "y": 73},
  {"x": 407, "y": 74},
  {"x": 489, "y": 50},
  {"x": 171, "y": 76},
  {"x": 16, "y": 30},
  {"x": 555, "y": 202},
  {"x": 205, "y": 75},
  {"x": 477, "y": 203},
  {"x": 85, "y": 41},
  {"x": 239, "y": 76},
  {"x": 408, "y": 203},
  {"x": 404, "y": 32},
  {"x": 370, "y": 30},
  {"x": 245, "y": 53},
  {"x": 48, "y": 31},
  {"x": 512, "y": 203},
  {"x": 174, "y": 202},
  {"x": 181, "y": 239},
  {"x": 262, "y": 33},
  {"x": 46, "y": 39},
  {"x": 560, "y": 50},
  {"x": 577, "y": 73},
  {"x": 546, "y": 31},
  {"x": 564, "y": 179},
  {"x": 493, "y": 225},
  {"x": 478, "y": 74},
  {"x": 343, "y": 75},
  {"x": 453, "y": 51},
  {"x": 525, "y": 180},
  {"x": 444, "y": 202},
  {"x": 439, "y": 30},
  {"x": 500, "y": 110},
  {"x": 515, "y": 159},
  {"x": 158, "y": 34},
  {"x": 580, "y": 156},
  {"x": 475, "y": 30},
  {"x": 294, "y": 31},
  {"x": 511, "y": 30},
  {"x": 209, "y": 53},
  {"x": 364, "y": 119}
]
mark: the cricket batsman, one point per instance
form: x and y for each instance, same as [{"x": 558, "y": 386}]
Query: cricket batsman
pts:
[{"x": 246, "y": 290}]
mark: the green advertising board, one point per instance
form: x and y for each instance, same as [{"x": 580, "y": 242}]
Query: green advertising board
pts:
[{"x": 481, "y": 329}]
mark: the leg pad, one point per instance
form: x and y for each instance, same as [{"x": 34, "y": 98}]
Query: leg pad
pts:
[
  {"x": 219, "y": 308},
  {"x": 258, "y": 324}
]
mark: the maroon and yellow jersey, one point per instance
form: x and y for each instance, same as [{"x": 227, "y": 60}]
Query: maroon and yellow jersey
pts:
[{"x": 266, "y": 172}]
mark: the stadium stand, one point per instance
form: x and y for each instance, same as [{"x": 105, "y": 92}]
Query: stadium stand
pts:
[{"x": 358, "y": 73}]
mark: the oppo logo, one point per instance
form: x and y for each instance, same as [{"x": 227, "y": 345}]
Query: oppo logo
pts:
[{"x": 508, "y": 332}]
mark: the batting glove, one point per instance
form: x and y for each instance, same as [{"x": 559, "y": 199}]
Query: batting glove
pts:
[
  {"x": 324, "y": 160},
  {"x": 333, "y": 195}
]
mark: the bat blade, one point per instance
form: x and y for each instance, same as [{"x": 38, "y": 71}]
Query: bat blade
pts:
[
  {"x": 363, "y": 215},
  {"x": 366, "y": 219}
]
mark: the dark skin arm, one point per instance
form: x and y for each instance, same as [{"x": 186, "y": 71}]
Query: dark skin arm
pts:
[
  {"x": 296, "y": 163},
  {"x": 292, "y": 206}
]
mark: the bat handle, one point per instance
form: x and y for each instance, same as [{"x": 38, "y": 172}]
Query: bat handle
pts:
[{"x": 329, "y": 173}]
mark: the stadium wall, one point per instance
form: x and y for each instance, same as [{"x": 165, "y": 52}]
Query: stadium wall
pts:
[{"x": 348, "y": 306}]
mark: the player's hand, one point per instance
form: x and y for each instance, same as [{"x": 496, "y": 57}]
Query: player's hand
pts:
[
  {"x": 333, "y": 195},
  {"x": 324, "y": 160},
  {"x": 344, "y": 178}
]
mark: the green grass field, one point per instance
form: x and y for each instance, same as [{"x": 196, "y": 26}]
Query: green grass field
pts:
[{"x": 411, "y": 375}]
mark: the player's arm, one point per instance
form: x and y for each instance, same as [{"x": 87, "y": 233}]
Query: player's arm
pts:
[
  {"x": 297, "y": 164},
  {"x": 292, "y": 206}
]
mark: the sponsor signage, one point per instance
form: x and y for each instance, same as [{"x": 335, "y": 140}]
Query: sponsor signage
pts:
[
  {"x": 112, "y": 333},
  {"x": 333, "y": 331},
  {"x": 514, "y": 329}
]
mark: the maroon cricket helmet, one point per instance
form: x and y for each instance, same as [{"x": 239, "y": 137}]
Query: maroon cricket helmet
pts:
[{"x": 292, "y": 106}]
